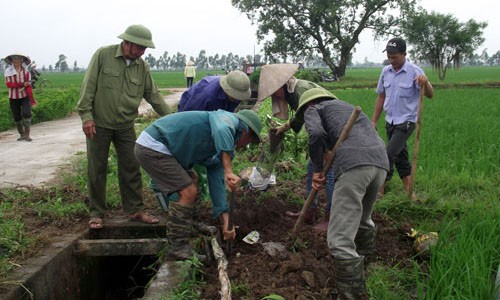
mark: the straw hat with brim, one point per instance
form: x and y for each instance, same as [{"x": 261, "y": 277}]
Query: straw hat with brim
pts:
[
  {"x": 311, "y": 95},
  {"x": 189, "y": 63},
  {"x": 274, "y": 76},
  {"x": 253, "y": 121},
  {"x": 138, "y": 34},
  {"x": 9, "y": 58},
  {"x": 237, "y": 85}
]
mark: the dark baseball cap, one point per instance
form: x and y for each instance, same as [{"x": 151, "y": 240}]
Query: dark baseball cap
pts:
[{"x": 395, "y": 45}]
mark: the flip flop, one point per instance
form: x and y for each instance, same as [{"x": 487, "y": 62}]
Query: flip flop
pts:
[
  {"x": 144, "y": 217},
  {"x": 95, "y": 223}
]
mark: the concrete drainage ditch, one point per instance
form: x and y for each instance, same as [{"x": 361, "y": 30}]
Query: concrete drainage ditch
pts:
[{"x": 116, "y": 262}]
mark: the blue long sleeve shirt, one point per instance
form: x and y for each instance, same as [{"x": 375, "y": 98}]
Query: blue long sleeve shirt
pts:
[
  {"x": 206, "y": 95},
  {"x": 200, "y": 137}
]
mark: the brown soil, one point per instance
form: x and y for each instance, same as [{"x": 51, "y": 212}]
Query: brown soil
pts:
[{"x": 304, "y": 270}]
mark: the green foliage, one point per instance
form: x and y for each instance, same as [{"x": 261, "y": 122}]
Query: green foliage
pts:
[
  {"x": 442, "y": 39},
  {"x": 465, "y": 258},
  {"x": 331, "y": 28},
  {"x": 309, "y": 75},
  {"x": 457, "y": 181},
  {"x": 389, "y": 283},
  {"x": 191, "y": 270},
  {"x": 273, "y": 297},
  {"x": 52, "y": 104},
  {"x": 298, "y": 245},
  {"x": 240, "y": 289}
]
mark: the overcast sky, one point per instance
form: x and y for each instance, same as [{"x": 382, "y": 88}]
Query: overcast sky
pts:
[{"x": 45, "y": 29}]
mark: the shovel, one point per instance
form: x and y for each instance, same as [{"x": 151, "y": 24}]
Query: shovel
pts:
[
  {"x": 417, "y": 142},
  {"x": 343, "y": 135}
]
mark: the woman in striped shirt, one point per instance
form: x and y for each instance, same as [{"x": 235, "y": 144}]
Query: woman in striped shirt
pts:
[{"x": 18, "y": 80}]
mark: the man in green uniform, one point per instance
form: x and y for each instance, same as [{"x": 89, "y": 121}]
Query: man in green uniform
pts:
[{"x": 115, "y": 83}]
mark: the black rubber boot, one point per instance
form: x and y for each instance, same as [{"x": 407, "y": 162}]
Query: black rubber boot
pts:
[
  {"x": 349, "y": 279},
  {"x": 20, "y": 129},
  {"x": 179, "y": 228},
  {"x": 365, "y": 245},
  {"x": 27, "y": 126}
]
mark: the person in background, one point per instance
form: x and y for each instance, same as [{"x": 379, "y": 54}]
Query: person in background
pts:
[
  {"x": 279, "y": 82},
  {"x": 18, "y": 80},
  {"x": 301, "y": 65},
  {"x": 360, "y": 168},
  {"x": 115, "y": 83},
  {"x": 247, "y": 67},
  {"x": 170, "y": 147},
  {"x": 189, "y": 73},
  {"x": 398, "y": 91}
]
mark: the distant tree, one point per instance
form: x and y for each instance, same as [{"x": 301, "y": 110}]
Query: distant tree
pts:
[
  {"x": 61, "y": 65},
  {"x": 75, "y": 67},
  {"x": 484, "y": 57},
  {"x": 442, "y": 39},
  {"x": 165, "y": 60},
  {"x": 331, "y": 28},
  {"x": 51, "y": 68},
  {"x": 494, "y": 60},
  {"x": 202, "y": 61},
  {"x": 150, "y": 60}
]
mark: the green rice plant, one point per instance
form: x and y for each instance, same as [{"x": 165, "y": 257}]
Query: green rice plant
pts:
[
  {"x": 240, "y": 289},
  {"x": 59, "y": 208},
  {"x": 390, "y": 283},
  {"x": 465, "y": 259}
]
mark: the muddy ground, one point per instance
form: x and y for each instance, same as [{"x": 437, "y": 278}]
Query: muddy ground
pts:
[{"x": 301, "y": 272}]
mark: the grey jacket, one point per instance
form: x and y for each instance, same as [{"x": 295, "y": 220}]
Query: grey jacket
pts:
[{"x": 324, "y": 123}]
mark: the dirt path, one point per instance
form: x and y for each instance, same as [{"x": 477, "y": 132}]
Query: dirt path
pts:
[{"x": 54, "y": 143}]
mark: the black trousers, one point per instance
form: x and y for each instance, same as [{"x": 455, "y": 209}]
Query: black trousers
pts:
[
  {"x": 397, "y": 148},
  {"x": 20, "y": 108}
]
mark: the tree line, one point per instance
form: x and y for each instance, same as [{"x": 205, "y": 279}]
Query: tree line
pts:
[
  {"x": 326, "y": 33},
  {"x": 333, "y": 28}
]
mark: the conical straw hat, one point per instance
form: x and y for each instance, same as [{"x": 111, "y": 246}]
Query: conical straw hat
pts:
[{"x": 274, "y": 76}]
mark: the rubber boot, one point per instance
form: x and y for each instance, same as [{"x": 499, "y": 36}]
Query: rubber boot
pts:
[
  {"x": 27, "y": 126},
  {"x": 365, "y": 245},
  {"x": 20, "y": 129},
  {"x": 179, "y": 228},
  {"x": 350, "y": 279}
]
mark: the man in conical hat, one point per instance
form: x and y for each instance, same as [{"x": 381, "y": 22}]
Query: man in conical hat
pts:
[{"x": 278, "y": 82}]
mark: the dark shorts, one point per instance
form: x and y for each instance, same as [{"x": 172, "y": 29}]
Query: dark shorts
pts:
[{"x": 164, "y": 169}]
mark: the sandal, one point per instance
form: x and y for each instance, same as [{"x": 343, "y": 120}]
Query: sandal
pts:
[
  {"x": 95, "y": 223},
  {"x": 144, "y": 217}
]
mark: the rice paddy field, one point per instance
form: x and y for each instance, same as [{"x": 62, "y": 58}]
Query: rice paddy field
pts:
[{"x": 457, "y": 182}]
